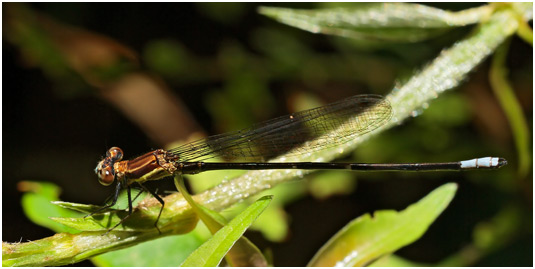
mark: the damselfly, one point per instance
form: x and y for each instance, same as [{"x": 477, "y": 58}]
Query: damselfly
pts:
[{"x": 317, "y": 128}]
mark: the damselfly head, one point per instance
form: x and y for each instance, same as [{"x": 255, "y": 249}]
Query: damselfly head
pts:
[{"x": 105, "y": 168}]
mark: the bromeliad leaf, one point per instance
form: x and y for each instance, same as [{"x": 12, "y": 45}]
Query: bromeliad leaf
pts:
[
  {"x": 393, "y": 22},
  {"x": 366, "y": 239}
]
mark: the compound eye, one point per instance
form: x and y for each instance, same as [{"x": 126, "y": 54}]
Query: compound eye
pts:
[
  {"x": 105, "y": 174},
  {"x": 115, "y": 153}
]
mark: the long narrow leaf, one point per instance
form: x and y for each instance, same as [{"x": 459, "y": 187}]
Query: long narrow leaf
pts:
[
  {"x": 212, "y": 251},
  {"x": 398, "y": 22},
  {"x": 244, "y": 252}
]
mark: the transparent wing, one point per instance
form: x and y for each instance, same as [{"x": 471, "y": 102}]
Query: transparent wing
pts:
[{"x": 266, "y": 140}]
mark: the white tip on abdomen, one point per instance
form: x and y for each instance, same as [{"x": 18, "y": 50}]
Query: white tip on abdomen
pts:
[{"x": 480, "y": 162}]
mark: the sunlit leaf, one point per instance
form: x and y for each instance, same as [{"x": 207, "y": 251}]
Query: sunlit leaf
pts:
[
  {"x": 160, "y": 252},
  {"x": 367, "y": 238},
  {"x": 395, "y": 261},
  {"x": 83, "y": 208},
  {"x": 243, "y": 252},
  {"x": 212, "y": 251}
]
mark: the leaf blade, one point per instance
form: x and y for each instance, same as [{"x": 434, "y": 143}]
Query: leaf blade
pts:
[
  {"x": 243, "y": 252},
  {"x": 213, "y": 251},
  {"x": 365, "y": 239},
  {"x": 394, "y": 22}
]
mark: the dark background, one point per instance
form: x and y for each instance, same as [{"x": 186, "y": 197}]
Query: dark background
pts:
[{"x": 54, "y": 131}]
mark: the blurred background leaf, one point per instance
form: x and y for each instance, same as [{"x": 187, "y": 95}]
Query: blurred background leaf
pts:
[{"x": 37, "y": 205}]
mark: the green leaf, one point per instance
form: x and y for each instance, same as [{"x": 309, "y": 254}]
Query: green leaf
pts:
[
  {"x": 160, "y": 252},
  {"x": 396, "y": 261},
  {"x": 367, "y": 238},
  {"x": 83, "y": 208},
  {"x": 330, "y": 183},
  {"x": 243, "y": 252},
  {"x": 38, "y": 206},
  {"x": 212, "y": 251},
  {"x": 394, "y": 22}
]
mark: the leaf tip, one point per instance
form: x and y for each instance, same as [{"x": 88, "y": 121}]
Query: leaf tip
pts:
[
  {"x": 262, "y": 10},
  {"x": 451, "y": 186},
  {"x": 267, "y": 197},
  {"x": 268, "y": 11}
]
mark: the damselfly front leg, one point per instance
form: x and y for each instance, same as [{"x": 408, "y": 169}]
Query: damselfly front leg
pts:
[{"x": 113, "y": 202}]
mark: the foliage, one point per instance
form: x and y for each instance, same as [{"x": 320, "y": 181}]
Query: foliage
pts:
[{"x": 395, "y": 27}]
